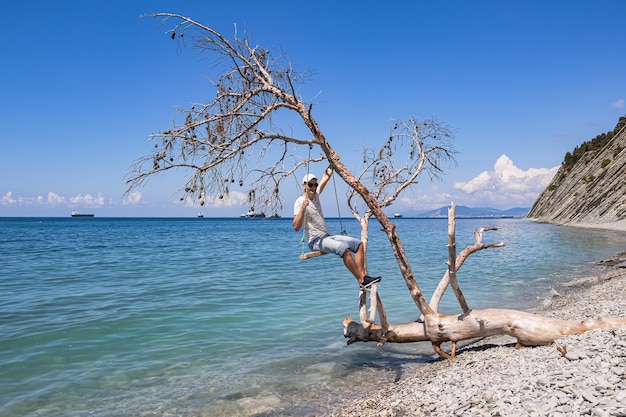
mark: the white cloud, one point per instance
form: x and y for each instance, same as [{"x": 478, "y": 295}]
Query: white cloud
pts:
[
  {"x": 132, "y": 199},
  {"x": 618, "y": 104},
  {"x": 8, "y": 199},
  {"x": 53, "y": 199},
  {"x": 234, "y": 199},
  {"x": 88, "y": 200},
  {"x": 506, "y": 186},
  {"x": 426, "y": 200},
  {"x": 481, "y": 182}
]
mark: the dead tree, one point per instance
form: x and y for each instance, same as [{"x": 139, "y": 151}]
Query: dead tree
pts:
[
  {"x": 232, "y": 144},
  {"x": 529, "y": 329}
]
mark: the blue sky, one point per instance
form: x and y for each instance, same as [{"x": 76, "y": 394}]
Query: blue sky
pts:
[{"x": 84, "y": 84}]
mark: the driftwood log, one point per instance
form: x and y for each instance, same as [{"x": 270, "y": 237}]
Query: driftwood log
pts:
[{"x": 528, "y": 328}]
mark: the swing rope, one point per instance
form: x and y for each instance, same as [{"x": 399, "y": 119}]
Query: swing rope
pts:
[
  {"x": 343, "y": 231},
  {"x": 304, "y": 217},
  {"x": 313, "y": 254}
]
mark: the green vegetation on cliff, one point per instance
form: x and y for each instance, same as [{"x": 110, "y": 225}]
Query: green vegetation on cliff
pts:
[{"x": 594, "y": 144}]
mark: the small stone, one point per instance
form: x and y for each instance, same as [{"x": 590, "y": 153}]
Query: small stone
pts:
[
  {"x": 588, "y": 396},
  {"x": 600, "y": 413}
]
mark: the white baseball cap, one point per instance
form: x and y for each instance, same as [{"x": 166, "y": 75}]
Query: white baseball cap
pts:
[{"x": 308, "y": 177}]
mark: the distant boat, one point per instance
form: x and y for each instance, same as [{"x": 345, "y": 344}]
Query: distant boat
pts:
[
  {"x": 77, "y": 214},
  {"x": 397, "y": 215},
  {"x": 200, "y": 215},
  {"x": 251, "y": 214}
]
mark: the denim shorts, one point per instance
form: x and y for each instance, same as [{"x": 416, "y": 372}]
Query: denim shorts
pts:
[{"x": 336, "y": 244}]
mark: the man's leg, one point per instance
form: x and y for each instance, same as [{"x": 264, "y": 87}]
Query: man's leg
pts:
[
  {"x": 359, "y": 259},
  {"x": 344, "y": 245},
  {"x": 354, "y": 267}
]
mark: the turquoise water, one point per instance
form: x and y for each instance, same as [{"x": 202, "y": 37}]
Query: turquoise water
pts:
[{"x": 218, "y": 317}]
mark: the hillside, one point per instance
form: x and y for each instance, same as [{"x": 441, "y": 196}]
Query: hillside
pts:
[
  {"x": 469, "y": 212},
  {"x": 590, "y": 187}
]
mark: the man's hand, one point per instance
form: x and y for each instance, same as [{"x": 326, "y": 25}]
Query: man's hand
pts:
[{"x": 298, "y": 219}]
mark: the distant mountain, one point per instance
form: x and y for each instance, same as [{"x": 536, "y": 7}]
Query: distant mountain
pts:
[{"x": 467, "y": 212}]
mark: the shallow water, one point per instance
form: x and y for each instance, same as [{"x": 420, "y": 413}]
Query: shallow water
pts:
[{"x": 211, "y": 317}]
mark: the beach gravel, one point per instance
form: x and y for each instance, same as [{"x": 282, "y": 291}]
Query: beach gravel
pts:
[{"x": 580, "y": 375}]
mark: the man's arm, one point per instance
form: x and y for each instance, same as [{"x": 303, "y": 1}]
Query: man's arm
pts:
[
  {"x": 324, "y": 180},
  {"x": 298, "y": 217}
]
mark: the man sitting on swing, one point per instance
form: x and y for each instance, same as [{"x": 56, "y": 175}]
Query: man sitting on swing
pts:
[{"x": 307, "y": 210}]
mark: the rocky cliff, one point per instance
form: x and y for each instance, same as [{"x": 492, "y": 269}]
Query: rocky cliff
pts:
[{"x": 589, "y": 192}]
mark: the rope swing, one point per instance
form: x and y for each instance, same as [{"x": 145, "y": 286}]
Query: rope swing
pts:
[
  {"x": 307, "y": 255},
  {"x": 303, "y": 240},
  {"x": 343, "y": 231}
]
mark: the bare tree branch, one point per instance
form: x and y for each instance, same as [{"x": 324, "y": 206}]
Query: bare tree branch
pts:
[{"x": 224, "y": 144}]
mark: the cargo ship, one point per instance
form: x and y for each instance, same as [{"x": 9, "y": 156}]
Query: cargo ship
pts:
[{"x": 77, "y": 214}]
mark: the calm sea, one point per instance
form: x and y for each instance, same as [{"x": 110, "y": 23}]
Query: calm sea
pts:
[{"x": 218, "y": 317}]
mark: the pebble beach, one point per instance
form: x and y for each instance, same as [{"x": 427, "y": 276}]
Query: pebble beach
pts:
[{"x": 489, "y": 377}]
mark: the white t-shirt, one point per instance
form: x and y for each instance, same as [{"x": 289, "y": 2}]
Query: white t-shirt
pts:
[{"x": 314, "y": 223}]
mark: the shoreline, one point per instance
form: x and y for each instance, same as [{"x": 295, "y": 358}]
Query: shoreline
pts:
[
  {"x": 489, "y": 377},
  {"x": 617, "y": 226}
]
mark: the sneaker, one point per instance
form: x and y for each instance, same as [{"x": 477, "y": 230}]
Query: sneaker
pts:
[{"x": 368, "y": 281}]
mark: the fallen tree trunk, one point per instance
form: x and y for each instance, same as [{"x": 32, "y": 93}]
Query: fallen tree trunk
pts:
[{"x": 529, "y": 329}]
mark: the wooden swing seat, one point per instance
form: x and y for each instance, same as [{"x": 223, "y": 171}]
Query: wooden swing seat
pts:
[{"x": 311, "y": 254}]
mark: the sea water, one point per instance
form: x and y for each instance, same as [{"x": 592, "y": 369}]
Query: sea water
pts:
[{"x": 219, "y": 317}]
